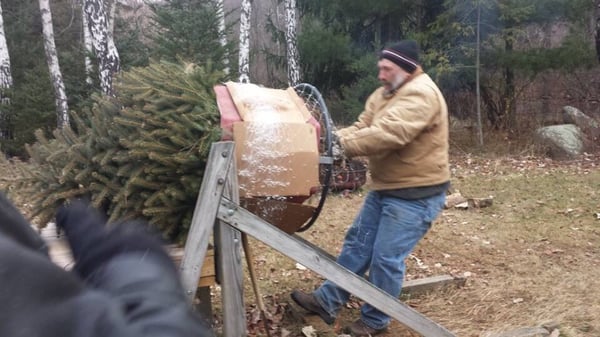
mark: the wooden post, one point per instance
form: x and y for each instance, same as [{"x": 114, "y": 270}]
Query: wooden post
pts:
[
  {"x": 229, "y": 265},
  {"x": 205, "y": 212},
  {"x": 220, "y": 178}
]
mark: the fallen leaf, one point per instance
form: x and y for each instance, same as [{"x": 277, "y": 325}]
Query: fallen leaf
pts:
[
  {"x": 419, "y": 262},
  {"x": 462, "y": 205},
  {"x": 300, "y": 267},
  {"x": 309, "y": 331}
]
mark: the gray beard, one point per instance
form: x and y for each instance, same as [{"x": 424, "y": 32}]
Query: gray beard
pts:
[{"x": 398, "y": 81}]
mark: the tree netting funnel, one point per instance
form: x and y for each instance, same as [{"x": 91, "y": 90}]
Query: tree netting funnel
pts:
[{"x": 283, "y": 150}]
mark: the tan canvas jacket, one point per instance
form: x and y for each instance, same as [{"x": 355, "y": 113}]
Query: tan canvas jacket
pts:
[{"x": 405, "y": 136}]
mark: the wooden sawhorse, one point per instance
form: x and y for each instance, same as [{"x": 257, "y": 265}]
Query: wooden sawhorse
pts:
[{"x": 218, "y": 206}]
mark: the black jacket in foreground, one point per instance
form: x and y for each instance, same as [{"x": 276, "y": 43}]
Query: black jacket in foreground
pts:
[{"x": 132, "y": 294}]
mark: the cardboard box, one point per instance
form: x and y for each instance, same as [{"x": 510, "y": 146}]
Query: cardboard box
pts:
[
  {"x": 266, "y": 105},
  {"x": 276, "y": 159}
]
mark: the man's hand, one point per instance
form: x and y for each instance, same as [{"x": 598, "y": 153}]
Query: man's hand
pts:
[
  {"x": 93, "y": 243},
  {"x": 14, "y": 226},
  {"x": 337, "y": 151}
]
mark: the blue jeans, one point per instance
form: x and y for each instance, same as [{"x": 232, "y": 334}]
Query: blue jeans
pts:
[{"x": 383, "y": 234}]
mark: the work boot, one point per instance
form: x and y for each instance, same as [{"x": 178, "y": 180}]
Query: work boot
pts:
[
  {"x": 309, "y": 303},
  {"x": 359, "y": 329}
]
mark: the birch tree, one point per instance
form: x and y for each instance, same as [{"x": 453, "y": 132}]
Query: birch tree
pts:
[
  {"x": 60, "y": 96},
  {"x": 89, "y": 48},
  {"x": 223, "y": 34},
  {"x": 244, "y": 57},
  {"x": 597, "y": 37},
  {"x": 107, "y": 55},
  {"x": 6, "y": 80},
  {"x": 293, "y": 63}
]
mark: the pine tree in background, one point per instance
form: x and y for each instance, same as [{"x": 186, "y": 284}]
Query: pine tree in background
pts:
[
  {"x": 141, "y": 154},
  {"x": 192, "y": 31}
]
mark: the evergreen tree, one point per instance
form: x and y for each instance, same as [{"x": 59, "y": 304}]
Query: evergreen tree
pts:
[
  {"x": 507, "y": 57},
  {"x": 356, "y": 30},
  {"x": 32, "y": 100},
  {"x": 190, "y": 30},
  {"x": 130, "y": 42},
  {"x": 338, "y": 44},
  {"x": 141, "y": 154}
]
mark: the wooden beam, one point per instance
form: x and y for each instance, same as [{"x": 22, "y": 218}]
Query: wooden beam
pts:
[
  {"x": 251, "y": 224},
  {"x": 229, "y": 263},
  {"x": 411, "y": 287},
  {"x": 205, "y": 211}
]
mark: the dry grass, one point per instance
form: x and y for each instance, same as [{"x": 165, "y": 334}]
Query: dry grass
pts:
[{"x": 531, "y": 258}]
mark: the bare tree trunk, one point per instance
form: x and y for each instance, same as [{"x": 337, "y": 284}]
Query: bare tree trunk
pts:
[
  {"x": 89, "y": 48},
  {"x": 509, "y": 111},
  {"x": 104, "y": 46},
  {"x": 597, "y": 14},
  {"x": 245, "y": 16},
  {"x": 62, "y": 109},
  {"x": 546, "y": 84},
  {"x": 223, "y": 34},
  {"x": 293, "y": 62},
  {"x": 111, "y": 8},
  {"x": 6, "y": 80},
  {"x": 477, "y": 76}
]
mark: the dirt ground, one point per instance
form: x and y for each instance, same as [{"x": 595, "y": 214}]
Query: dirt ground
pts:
[{"x": 529, "y": 259}]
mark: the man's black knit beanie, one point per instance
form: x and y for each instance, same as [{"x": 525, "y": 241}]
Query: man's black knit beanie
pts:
[{"x": 405, "y": 54}]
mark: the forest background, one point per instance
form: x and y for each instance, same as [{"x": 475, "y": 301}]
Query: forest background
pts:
[{"x": 526, "y": 59}]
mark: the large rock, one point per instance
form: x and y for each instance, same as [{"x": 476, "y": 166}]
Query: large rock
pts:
[
  {"x": 587, "y": 124},
  {"x": 560, "y": 141}
]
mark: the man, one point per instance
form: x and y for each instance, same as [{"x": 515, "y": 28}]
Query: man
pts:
[
  {"x": 403, "y": 131},
  {"x": 123, "y": 284}
]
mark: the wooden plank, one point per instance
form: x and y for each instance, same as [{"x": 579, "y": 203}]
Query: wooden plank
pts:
[
  {"x": 207, "y": 272},
  {"x": 207, "y": 205},
  {"x": 249, "y": 223},
  {"x": 412, "y": 287},
  {"x": 229, "y": 264},
  {"x": 428, "y": 284}
]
